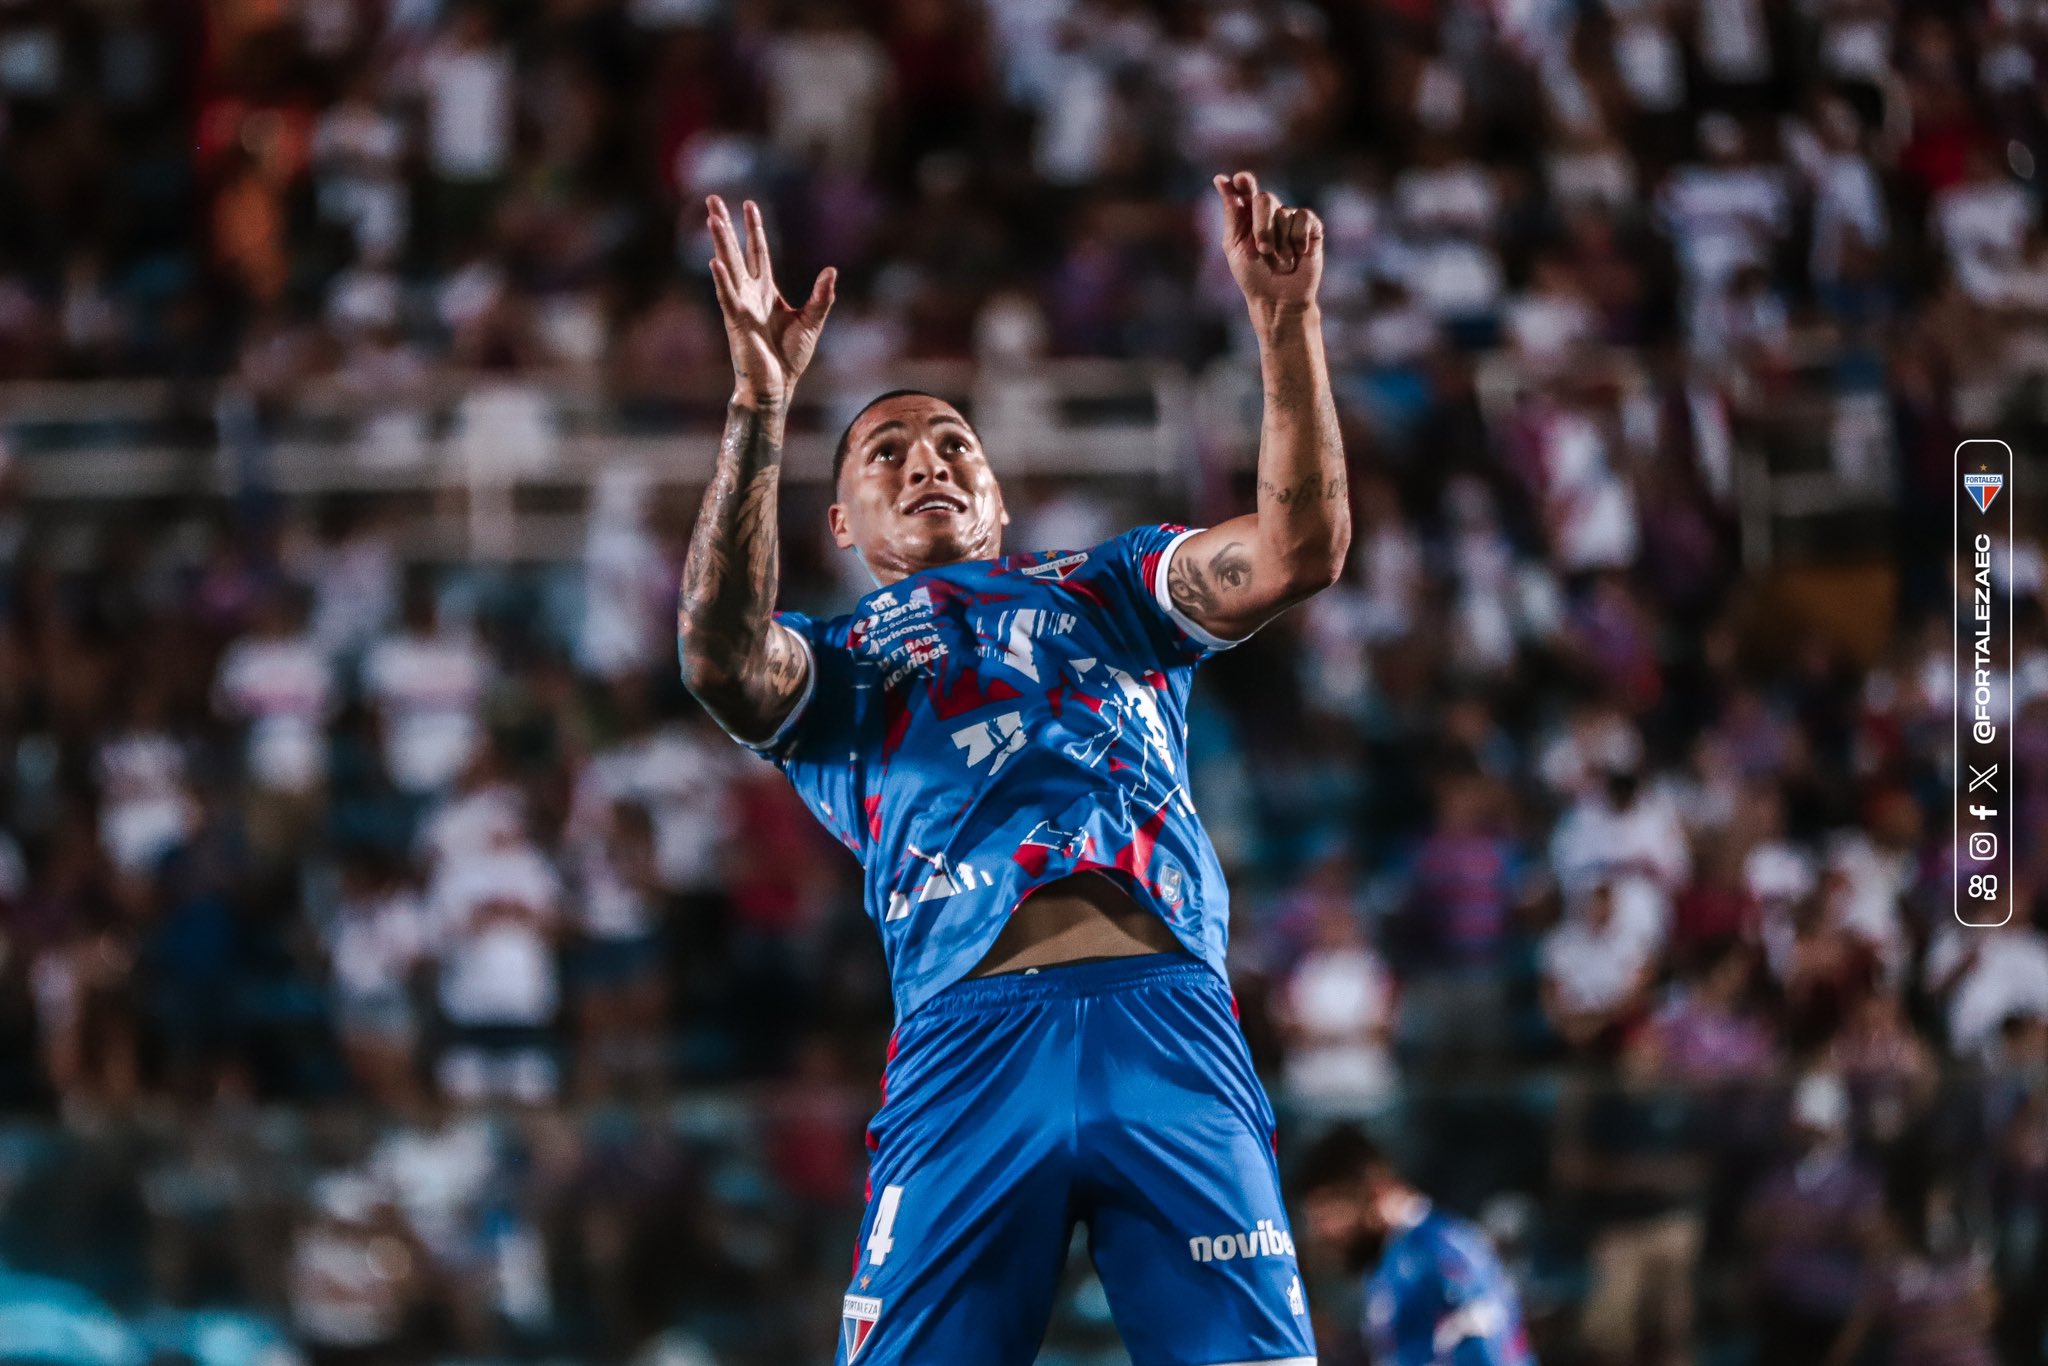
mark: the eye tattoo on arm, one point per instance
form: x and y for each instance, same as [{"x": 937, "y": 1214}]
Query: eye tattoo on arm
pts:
[{"x": 1201, "y": 589}]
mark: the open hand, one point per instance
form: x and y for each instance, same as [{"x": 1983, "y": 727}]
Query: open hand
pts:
[
  {"x": 771, "y": 342},
  {"x": 1275, "y": 253}
]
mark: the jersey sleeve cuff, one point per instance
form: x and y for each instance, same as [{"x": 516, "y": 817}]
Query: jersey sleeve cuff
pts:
[
  {"x": 796, "y": 713},
  {"x": 1191, "y": 628}
]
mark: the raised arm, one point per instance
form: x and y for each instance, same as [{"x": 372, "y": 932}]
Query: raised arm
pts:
[
  {"x": 1237, "y": 575},
  {"x": 747, "y": 670}
]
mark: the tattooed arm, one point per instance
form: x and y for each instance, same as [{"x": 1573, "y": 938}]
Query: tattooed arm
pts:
[
  {"x": 1235, "y": 576},
  {"x": 747, "y": 670}
]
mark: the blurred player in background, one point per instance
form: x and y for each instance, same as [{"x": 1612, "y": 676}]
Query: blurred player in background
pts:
[
  {"x": 1435, "y": 1293},
  {"x": 1001, "y": 741}
]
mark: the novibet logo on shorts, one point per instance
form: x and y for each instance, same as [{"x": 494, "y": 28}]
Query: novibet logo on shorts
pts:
[{"x": 1263, "y": 1241}]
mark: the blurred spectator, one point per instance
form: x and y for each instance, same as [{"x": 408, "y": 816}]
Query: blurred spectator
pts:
[
  {"x": 354, "y": 1278},
  {"x": 1982, "y": 223},
  {"x": 1889, "y": 1071},
  {"x": 2020, "y": 1196},
  {"x": 621, "y": 996},
  {"x": 146, "y": 804},
  {"x": 827, "y": 79},
  {"x": 438, "y": 1170},
  {"x": 1629, "y": 1152},
  {"x": 1337, "y": 1009},
  {"x": 1928, "y": 1295},
  {"x": 358, "y": 153},
  {"x": 377, "y": 942},
  {"x": 83, "y": 980},
  {"x": 1813, "y": 1223},
  {"x": 1715, "y": 911},
  {"x": 1851, "y": 221},
  {"x": 1725, "y": 214},
  {"x": 467, "y": 77},
  {"x": 681, "y": 770},
  {"x": 498, "y": 914},
  {"x": 1596, "y": 971},
  {"x": 483, "y": 811},
  {"x": 427, "y": 681},
  {"x": 628, "y": 583},
  {"x": 1467, "y": 885},
  {"x": 1826, "y": 971},
  {"x": 1628, "y": 834},
  {"x": 1711, "y": 1032},
  {"x": 1987, "y": 976},
  {"x": 278, "y": 683},
  {"x": 812, "y": 1121},
  {"x": 354, "y": 571}
]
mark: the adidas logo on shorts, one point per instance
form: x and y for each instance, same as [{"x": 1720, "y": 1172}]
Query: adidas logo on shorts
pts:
[{"x": 1263, "y": 1241}]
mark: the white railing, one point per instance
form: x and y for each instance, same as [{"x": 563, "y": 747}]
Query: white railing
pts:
[
  {"x": 479, "y": 442},
  {"x": 491, "y": 450},
  {"x": 1057, "y": 417}
]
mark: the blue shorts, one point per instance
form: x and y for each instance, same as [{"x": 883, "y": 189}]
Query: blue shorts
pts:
[{"x": 1118, "y": 1095}]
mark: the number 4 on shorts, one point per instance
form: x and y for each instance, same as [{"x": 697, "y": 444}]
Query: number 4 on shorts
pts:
[{"x": 880, "y": 1238}]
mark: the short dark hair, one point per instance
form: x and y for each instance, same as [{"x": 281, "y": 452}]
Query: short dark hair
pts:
[
  {"x": 1341, "y": 1157},
  {"x": 845, "y": 446}
]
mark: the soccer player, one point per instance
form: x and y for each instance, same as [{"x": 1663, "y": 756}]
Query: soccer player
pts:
[
  {"x": 1435, "y": 1294},
  {"x": 1001, "y": 740}
]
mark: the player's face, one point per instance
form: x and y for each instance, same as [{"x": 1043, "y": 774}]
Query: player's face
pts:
[
  {"x": 1346, "y": 1220},
  {"x": 916, "y": 490}
]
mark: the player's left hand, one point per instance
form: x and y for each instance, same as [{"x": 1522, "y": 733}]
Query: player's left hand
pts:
[{"x": 1275, "y": 253}]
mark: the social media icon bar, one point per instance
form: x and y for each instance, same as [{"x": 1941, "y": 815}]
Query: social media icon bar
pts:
[{"x": 1983, "y": 659}]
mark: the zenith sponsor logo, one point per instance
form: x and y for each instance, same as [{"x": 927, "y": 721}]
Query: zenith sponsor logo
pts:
[{"x": 1266, "y": 1240}]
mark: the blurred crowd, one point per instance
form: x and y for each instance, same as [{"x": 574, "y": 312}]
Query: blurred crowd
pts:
[
  {"x": 377, "y": 191},
  {"x": 1616, "y": 899}
]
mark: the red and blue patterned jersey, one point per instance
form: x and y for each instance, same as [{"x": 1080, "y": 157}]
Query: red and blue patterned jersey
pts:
[
  {"x": 1440, "y": 1297},
  {"x": 978, "y": 730}
]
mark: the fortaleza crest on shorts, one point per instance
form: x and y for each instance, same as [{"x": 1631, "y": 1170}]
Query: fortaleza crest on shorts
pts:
[
  {"x": 1982, "y": 488},
  {"x": 857, "y": 1315}
]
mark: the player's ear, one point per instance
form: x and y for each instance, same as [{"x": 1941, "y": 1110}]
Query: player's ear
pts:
[{"x": 842, "y": 534}]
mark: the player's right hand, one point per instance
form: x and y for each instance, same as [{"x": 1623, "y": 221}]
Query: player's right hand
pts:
[{"x": 771, "y": 342}]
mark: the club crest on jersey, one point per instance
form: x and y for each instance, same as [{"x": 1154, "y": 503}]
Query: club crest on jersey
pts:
[
  {"x": 1170, "y": 884},
  {"x": 1057, "y": 570},
  {"x": 857, "y": 1315},
  {"x": 1982, "y": 488}
]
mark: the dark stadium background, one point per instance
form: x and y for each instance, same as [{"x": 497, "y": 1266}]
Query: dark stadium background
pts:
[{"x": 1590, "y": 840}]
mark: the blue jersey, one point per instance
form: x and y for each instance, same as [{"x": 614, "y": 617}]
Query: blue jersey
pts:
[
  {"x": 978, "y": 730},
  {"x": 1440, "y": 1297}
]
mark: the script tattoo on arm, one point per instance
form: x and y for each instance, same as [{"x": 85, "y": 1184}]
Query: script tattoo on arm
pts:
[
  {"x": 1303, "y": 496},
  {"x": 747, "y": 670},
  {"x": 1239, "y": 574},
  {"x": 1326, "y": 488}
]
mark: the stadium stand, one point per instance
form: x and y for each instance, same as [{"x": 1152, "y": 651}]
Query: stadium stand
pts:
[{"x": 395, "y": 966}]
